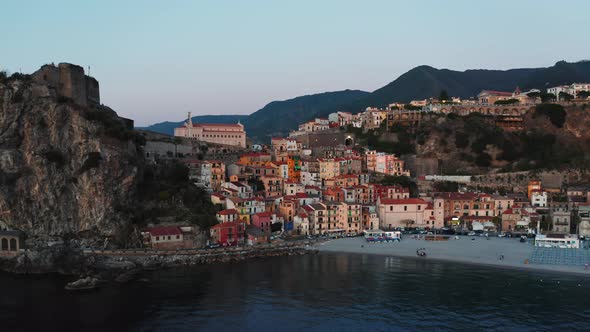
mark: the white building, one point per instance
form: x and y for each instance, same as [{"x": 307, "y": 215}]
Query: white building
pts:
[
  {"x": 539, "y": 198},
  {"x": 572, "y": 89}
]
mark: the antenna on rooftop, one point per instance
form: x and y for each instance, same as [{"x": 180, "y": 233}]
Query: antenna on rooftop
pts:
[{"x": 88, "y": 70}]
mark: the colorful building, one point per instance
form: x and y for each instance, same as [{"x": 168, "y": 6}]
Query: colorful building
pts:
[{"x": 228, "y": 233}]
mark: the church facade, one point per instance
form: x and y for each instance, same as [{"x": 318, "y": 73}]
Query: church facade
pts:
[{"x": 226, "y": 134}]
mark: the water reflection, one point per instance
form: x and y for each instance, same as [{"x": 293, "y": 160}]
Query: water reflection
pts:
[{"x": 323, "y": 292}]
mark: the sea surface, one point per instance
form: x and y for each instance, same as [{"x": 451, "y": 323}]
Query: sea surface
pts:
[{"x": 325, "y": 292}]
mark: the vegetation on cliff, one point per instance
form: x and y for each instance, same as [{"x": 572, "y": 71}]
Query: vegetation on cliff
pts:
[
  {"x": 167, "y": 195},
  {"x": 553, "y": 137}
]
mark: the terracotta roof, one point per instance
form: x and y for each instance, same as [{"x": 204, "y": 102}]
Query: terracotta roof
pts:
[
  {"x": 402, "y": 201},
  {"x": 263, "y": 214},
  {"x": 255, "y": 154},
  {"x": 165, "y": 230},
  {"x": 228, "y": 125},
  {"x": 227, "y": 224},
  {"x": 500, "y": 93},
  {"x": 227, "y": 212}
]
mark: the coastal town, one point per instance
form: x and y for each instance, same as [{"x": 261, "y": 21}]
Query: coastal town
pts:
[{"x": 320, "y": 183}]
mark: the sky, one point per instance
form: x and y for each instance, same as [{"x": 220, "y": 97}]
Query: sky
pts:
[{"x": 157, "y": 60}]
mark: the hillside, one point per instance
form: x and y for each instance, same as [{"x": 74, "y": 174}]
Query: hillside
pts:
[
  {"x": 279, "y": 117},
  {"x": 425, "y": 82},
  {"x": 167, "y": 127},
  {"x": 554, "y": 137}
]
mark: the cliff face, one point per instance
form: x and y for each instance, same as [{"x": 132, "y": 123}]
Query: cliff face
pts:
[{"x": 64, "y": 169}]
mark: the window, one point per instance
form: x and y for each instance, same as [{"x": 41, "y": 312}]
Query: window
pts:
[
  {"x": 390, "y": 208},
  {"x": 157, "y": 238},
  {"x": 419, "y": 207},
  {"x": 405, "y": 208}
]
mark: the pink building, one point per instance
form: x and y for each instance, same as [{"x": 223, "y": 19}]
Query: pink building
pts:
[
  {"x": 227, "y": 134},
  {"x": 409, "y": 212},
  {"x": 262, "y": 221},
  {"x": 389, "y": 164}
]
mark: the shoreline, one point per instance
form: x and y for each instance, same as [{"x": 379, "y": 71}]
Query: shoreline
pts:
[{"x": 353, "y": 246}]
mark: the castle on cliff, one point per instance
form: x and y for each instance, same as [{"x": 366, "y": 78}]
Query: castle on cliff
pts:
[{"x": 69, "y": 81}]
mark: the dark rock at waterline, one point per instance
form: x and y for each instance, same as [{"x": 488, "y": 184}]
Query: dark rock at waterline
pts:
[{"x": 83, "y": 284}]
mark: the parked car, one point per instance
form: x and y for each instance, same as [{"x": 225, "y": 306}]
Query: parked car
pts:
[
  {"x": 502, "y": 234},
  {"x": 471, "y": 234}
]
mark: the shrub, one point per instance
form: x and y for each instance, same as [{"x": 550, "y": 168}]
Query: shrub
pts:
[
  {"x": 164, "y": 195},
  {"x": 55, "y": 157},
  {"x": 507, "y": 102},
  {"x": 483, "y": 160},
  {"x": 461, "y": 140},
  {"x": 92, "y": 161},
  {"x": 555, "y": 112}
]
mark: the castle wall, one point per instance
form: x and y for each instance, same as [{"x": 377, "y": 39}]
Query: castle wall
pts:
[
  {"x": 92, "y": 91},
  {"x": 72, "y": 83},
  {"x": 69, "y": 81}
]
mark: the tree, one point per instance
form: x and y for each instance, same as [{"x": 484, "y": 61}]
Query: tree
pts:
[
  {"x": 403, "y": 181},
  {"x": 555, "y": 112},
  {"x": 507, "y": 101},
  {"x": 583, "y": 94},
  {"x": 446, "y": 186},
  {"x": 177, "y": 140},
  {"x": 444, "y": 96},
  {"x": 534, "y": 95},
  {"x": 407, "y": 222},
  {"x": 565, "y": 96},
  {"x": 547, "y": 97},
  {"x": 412, "y": 107}
]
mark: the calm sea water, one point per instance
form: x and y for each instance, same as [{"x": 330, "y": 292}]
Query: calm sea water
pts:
[{"x": 326, "y": 292}]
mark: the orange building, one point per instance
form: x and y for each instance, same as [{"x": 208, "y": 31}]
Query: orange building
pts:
[
  {"x": 343, "y": 180},
  {"x": 273, "y": 185},
  {"x": 534, "y": 185},
  {"x": 287, "y": 209},
  {"x": 294, "y": 165}
]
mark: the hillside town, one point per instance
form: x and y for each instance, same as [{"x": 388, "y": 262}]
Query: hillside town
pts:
[{"x": 318, "y": 182}]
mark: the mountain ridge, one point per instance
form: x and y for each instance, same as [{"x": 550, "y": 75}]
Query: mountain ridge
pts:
[{"x": 420, "y": 82}]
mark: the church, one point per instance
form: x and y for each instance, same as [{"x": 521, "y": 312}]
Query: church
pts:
[{"x": 217, "y": 133}]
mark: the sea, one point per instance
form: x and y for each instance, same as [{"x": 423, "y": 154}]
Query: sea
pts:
[{"x": 324, "y": 292}]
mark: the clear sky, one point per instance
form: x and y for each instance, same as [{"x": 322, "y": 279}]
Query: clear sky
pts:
[{"x": 156, "y": 60}]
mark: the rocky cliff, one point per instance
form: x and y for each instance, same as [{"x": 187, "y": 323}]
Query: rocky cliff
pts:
[{"x": 65, "y": 169}]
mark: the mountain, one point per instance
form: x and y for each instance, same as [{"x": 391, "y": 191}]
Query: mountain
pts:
[
  {"x": 167, "y": 127},
  {"x": 279, "y": 117},
  {"x": 425, "y": 82}
]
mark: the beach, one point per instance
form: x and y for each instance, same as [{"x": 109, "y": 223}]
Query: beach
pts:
[{"x": 496, "y": 252}]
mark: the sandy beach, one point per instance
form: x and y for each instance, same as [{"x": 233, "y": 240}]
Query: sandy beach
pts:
[{"x": 465, "y": 250}]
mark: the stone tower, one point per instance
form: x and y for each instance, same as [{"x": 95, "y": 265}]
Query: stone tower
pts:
[{"x": 69, "y": 81}]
